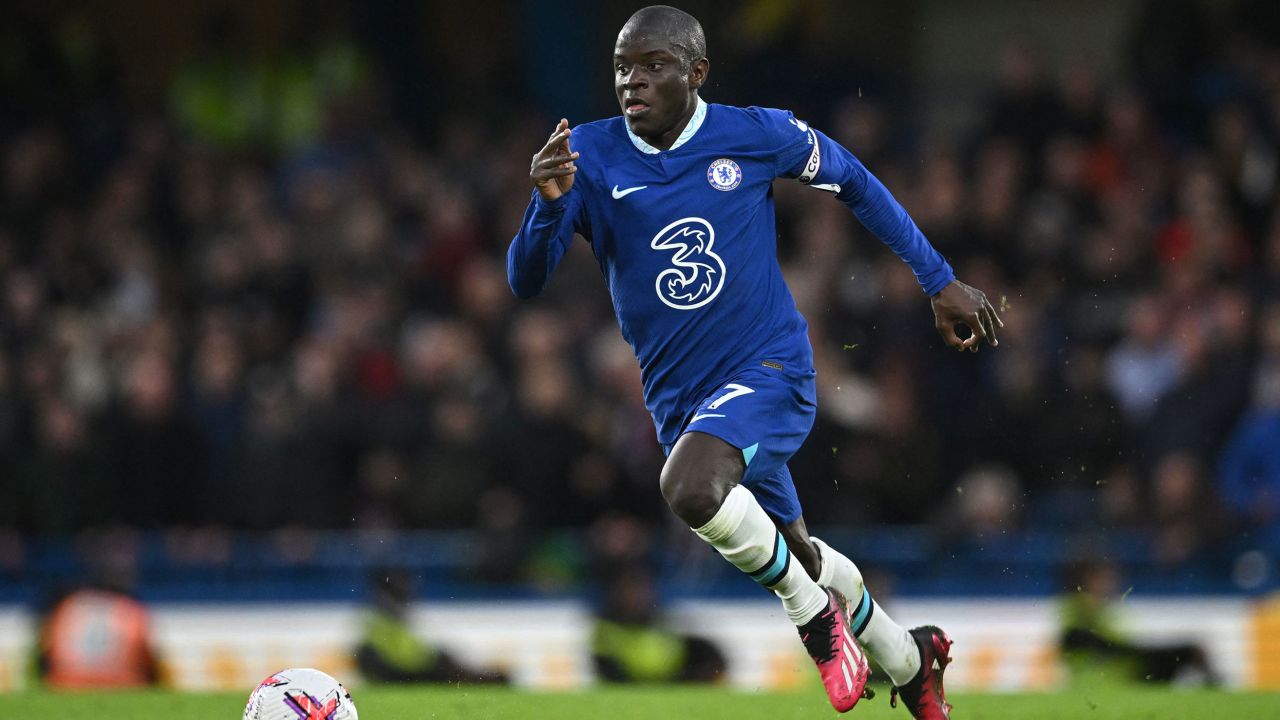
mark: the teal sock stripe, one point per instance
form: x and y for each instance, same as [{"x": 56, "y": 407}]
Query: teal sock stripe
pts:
[
  {"x": 863, "y": 613},
  {"x": 777, "y": 566}
]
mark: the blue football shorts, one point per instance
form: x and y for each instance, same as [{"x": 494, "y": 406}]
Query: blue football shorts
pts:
[{"x": 766, "y": 413}]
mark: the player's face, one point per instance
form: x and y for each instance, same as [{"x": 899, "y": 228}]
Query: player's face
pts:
[{"x": 656, "y": 97}]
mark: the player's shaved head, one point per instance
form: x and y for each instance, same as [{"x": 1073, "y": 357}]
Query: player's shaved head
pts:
[
  {"x": 659, "y": 62},
  {"x": 677, "y": 27}
]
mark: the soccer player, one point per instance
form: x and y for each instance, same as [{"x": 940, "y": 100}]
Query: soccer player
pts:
[{"x": 674, "y": 198}]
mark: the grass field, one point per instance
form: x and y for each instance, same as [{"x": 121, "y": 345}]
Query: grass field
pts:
[{"x": 656, "y": 703}]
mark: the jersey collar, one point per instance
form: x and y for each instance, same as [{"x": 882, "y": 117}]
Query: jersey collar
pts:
[{"x": 695, "y": 122}]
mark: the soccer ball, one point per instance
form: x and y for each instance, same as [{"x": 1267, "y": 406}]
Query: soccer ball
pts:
[{"x": 300, "y": 694}]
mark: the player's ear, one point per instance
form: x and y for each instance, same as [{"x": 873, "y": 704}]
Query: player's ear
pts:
[{"x": 698, "y": 73}]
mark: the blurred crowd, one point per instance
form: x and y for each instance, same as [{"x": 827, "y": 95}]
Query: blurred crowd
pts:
[{"x": 271, "y": 302}]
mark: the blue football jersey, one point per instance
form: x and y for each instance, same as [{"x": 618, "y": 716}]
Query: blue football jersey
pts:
[{"x": 686, "y": 240}]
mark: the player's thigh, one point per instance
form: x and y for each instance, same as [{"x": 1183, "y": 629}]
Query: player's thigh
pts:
[
  {"x": 766, "y": 414},
  {"x": 698, "y": 474},
  {"x": 699, "y": 455}
]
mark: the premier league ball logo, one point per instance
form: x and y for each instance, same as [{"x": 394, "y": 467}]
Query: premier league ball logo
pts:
[
  {"x": 724, "y": 174},
  {"x": 300, "y": 694}
]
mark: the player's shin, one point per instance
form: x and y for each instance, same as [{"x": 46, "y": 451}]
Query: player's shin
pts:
[
  {"x": 744, "y": 535},
  {"x": 885, "y": 640}
]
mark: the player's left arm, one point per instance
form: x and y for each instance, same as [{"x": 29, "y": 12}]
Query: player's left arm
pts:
[{"x": 826, "y": 165}]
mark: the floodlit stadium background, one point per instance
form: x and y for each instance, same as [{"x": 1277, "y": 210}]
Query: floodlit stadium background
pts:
[{"x": 256, "y": 339}]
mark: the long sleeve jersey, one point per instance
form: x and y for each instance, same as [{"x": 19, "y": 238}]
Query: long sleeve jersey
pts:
[{"x": 687, "y": 241}]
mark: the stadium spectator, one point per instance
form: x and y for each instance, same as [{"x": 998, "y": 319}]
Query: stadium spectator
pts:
[
  {"x": 1248, "y": 477},
  {"x": 1185, "y": 519},
  {"x": 390, "y": 651},
  {"x": 630, "y": 645},
  {"x": 1146, "y": 365},
  {"x": 62, "y": 477},
  {"x": 1095, "y": 648},
  {"x": 98, "y": 636},
  {"x": 1249, "y": 474},
  {"x": 114, "y": 625}
]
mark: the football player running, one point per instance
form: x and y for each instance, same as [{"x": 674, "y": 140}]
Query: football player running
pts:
[{"x": 674, "y": 198}]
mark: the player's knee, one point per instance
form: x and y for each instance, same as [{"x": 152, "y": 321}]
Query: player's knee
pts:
[
  {"x": 698, "y": 475},
  {"x": 694, "y": 500}
]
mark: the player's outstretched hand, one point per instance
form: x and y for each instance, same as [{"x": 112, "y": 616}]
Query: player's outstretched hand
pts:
[
  {"x": 552, "y": 169},
  {"x": 960, "y": 304}
]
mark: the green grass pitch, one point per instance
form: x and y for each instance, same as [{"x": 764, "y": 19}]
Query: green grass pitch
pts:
[{"x": 655, "y": 703}]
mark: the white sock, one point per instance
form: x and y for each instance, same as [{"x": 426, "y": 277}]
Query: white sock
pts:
[
  {"x": 885, "y": 640},
  {"x": 742, "y": 532}
]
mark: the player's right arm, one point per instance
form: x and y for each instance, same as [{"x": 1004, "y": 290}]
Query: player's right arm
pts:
[{"x": 551, "y": 218}]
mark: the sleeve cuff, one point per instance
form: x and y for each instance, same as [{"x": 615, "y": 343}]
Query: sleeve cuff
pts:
[
  {"x": 938, "y": 279},
  {"x": 552, "y": 206}
]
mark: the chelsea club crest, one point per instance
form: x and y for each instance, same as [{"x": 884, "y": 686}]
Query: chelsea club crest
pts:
[{"x": 724, "y": 174}]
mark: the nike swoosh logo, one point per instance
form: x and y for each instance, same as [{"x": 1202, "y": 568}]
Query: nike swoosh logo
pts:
[
  {"x": 696, "y": 418},
  {"x": 619, "y": 194}
]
